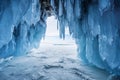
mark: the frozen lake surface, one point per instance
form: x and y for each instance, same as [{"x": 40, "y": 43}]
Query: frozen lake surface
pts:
[{"x": 55, "y": 60}]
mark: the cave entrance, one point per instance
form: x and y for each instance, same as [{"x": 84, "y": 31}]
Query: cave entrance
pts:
[{"x": 53, "y": 43}]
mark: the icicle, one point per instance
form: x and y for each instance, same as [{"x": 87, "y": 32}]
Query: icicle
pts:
[
  {"x": 69, "y": 10},
  {"x": 52, "y": 3},
  {"x": 62, "y": 27},
  {"x": 60, "y": 8},
  {"x": 77, "y": 8},
  {"x": 104, "y": 5}
]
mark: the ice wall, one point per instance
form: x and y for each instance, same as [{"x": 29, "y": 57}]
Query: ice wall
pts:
[
  {"x": 95, "y": 25},
  {"x": 21, "y": 28}
]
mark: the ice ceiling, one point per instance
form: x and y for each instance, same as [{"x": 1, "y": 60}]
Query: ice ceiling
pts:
[{"x": 95, "y": 25}]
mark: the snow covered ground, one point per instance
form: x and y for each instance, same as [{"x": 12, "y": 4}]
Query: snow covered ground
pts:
[{"x": 54, "y": 60}]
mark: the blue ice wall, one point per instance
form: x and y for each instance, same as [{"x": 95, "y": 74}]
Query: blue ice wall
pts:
[
  {"x": 95, "y": 25},
  {"x": 20, "y": 26}
]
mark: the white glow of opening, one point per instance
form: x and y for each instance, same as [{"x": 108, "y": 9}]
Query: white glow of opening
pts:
[
  {"x": 52, "y": 27},
  {"x": 52, "y": 39}
]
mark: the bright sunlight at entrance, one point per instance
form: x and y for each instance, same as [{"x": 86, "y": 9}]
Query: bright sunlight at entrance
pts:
[{"x": 52, "y": 39}]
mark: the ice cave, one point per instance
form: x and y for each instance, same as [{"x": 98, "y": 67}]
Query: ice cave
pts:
[{"x": 88, "y": 48}]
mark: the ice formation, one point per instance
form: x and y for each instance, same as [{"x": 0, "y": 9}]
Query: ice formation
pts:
[
  {"x": 20, "y": 26},
  {"x": 95, "y": 25}
]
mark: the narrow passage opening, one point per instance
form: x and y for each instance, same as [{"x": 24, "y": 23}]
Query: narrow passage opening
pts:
[{"x": 53, "y": 43}]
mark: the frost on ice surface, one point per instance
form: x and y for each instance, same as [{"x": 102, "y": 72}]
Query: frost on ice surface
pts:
[{"x": 95, "y": 25}]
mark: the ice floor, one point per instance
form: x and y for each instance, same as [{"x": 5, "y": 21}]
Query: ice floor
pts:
[{"x": 52, "y": 61}]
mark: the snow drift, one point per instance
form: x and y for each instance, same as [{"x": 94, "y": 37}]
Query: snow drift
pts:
[{"x": 94, "y": 24}]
